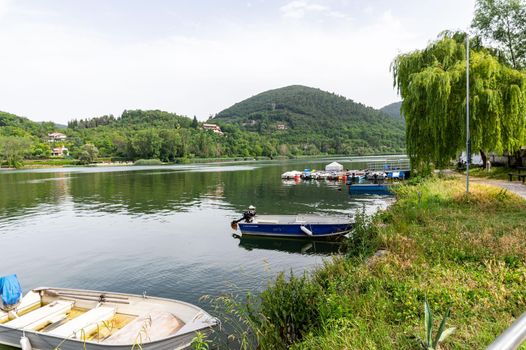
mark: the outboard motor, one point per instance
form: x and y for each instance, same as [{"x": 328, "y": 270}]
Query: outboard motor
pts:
[
  {"x": 10, "y": 292},
  {"x": 249, "y": 214}
]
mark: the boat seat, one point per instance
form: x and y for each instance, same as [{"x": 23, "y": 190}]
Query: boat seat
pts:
[
  {"x": 41, "y": 317},
  {"x": 153, "y": 326},
  {"x": 30, "y": 301},
  {"x": 85, "y": 324},
  {"x": 266, "y": 222}
]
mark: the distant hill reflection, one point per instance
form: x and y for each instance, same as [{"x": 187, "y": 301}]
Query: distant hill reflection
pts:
[{"x": 171, "y": 189}]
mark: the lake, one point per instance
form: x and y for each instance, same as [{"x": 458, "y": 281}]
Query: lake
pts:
[{"x": 161, "y": 230}]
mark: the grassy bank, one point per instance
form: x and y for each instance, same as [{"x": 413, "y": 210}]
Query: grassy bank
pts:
[
  {"x": 48, "y": 163},
  {"x": 496, "y": 173},
  {"x": 107, "y": 161},
  {"x": 464, "y": 252}
]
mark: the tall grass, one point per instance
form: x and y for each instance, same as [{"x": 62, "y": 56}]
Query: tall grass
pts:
[
  {"x": 363, "y": 240},
  {"x": 278, "y": 317}
]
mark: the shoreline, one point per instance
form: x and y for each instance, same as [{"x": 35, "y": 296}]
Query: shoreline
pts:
[
  {"x": 435, "y": 243},
  {"x": 63, "y": 163}
]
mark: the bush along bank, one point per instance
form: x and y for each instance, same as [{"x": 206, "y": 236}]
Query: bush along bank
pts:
[{"x": 464, "y": 255}]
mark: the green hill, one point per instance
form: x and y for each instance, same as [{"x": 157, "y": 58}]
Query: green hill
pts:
[
  {"x": 286, "y": 122},
  {"x": 13, "y": 125},
  {"x": 393, "y": 109},
  {"x": 305, "y": 117},
  {"x": 134, "y": 119}
]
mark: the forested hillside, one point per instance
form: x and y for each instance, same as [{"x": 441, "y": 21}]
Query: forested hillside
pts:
[
  {"x": 162, "y": 135},
  {"x": 393, "y": 109},
  {"x": 313, "y": 120},
  {"x": 291, "y": 121},
  {"x": 13, "y": 125}
]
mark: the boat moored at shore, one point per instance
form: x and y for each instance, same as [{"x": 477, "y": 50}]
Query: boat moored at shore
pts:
[
  {"x": 370, "y": 188},
  {"x": 72, "y": 319},
  {"x": 292, "y": 226}
]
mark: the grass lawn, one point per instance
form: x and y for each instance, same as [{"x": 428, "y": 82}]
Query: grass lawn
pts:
[
  {"x": 464, "y": 252},
  {"x": 52, "y": 162},
  {"x": 497, "y": 173}
]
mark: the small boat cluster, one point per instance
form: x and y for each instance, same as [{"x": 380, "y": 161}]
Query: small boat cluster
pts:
[
  {"x": 352, "y": 176},
  {"x": 309, "y": 174},
  {"x": 360, "y": 181}
]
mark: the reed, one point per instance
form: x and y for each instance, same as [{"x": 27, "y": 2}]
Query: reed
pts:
[
  {"x": 276, "y": 318},
  {"x": 363, "y": 240},
  {"x": 200, "y": 342}
]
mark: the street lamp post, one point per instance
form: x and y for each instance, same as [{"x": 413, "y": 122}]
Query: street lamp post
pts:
[{"x": 468, "y": 141}]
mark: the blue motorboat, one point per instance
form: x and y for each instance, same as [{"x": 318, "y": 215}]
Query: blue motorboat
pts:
[
  {"x": 396, "y": 175},
  {"x": 293, "y": 226},
  {"x": 383, "y": 188},
  {"x": 299, "y": 226}
]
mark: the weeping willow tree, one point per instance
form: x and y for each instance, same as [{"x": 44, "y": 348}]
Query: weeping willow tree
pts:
[{"x": 432, "y": 83}]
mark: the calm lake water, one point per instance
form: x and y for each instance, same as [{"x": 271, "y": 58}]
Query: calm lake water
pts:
[{"x": 160, "y": 230}]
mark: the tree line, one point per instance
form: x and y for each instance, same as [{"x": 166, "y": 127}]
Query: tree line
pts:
[
  {"x": 169, "y": 137},
  {"x": 432, "y": 83}
]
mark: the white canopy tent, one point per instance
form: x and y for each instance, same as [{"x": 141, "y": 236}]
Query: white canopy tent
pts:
[{"x": 334, "y": 166}]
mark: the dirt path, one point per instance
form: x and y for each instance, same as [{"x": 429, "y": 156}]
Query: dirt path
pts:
[{"x": 513, "y": 186}]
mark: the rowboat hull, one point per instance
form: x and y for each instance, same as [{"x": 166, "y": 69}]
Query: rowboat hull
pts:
[
  {"x": 11, "y": 337},
  {"x": 294, "y": 227},
  {"x": 150, "y": 324}
]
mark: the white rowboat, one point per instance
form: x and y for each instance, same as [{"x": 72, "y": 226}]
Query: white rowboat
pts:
[{"x": 71, "y": 319}]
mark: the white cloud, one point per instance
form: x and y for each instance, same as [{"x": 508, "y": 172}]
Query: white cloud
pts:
[
  {"x": 70, "y": 74},
  {"x": 4, "y": 7},
  {"x": 298, "y": 9},
  {"x": 368, "y": 10},
  {"x": 53, "y": 71}
]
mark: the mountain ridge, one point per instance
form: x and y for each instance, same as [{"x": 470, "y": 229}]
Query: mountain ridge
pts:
[
  {"x": 393, "y": 109},
  {"x": 334, "y": 123}
]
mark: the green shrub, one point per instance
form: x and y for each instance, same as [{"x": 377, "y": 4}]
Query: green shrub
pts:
[
  {"x": 183, "y": 160},
  {"x": 148, "y": 162},
  {"x": 290, "y": 308},
  {"x": 278, "y": 317},
  {"x": 199, "y": 342},
  {"x": 51, "y": 161},
  {"x": 363, "y": 240}
]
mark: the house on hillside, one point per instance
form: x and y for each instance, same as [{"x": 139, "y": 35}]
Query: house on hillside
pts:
[
  {"x": 60, "y": 151},
  {"x": 281, "y": 126},
  {"x": 251, "y": 122},
  {"x": 56, "y": 136},
  {"x": 214, "y": 127}
]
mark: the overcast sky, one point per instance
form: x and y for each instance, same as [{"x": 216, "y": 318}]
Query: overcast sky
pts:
[{"x": 68, "y": 59}]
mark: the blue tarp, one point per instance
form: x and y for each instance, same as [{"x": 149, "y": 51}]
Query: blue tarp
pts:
[{"x": 10, "y": 290}]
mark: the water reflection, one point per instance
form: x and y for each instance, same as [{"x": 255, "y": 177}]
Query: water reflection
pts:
[
  {"x": 294, "y": 246},
  {"x": 146, "y": 217}
]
